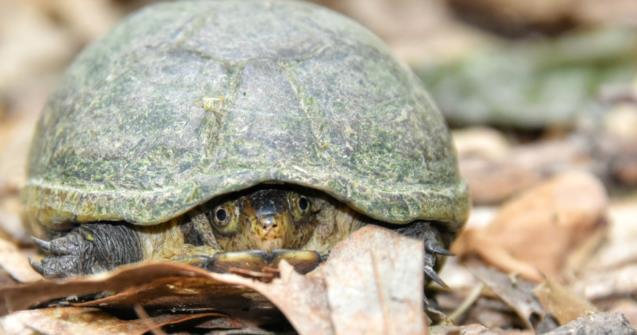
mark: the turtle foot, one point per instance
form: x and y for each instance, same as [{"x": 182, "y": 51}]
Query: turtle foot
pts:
[
  {"x": 87, "y": 249},
  {"x": 63, "y": 256},
  {"x": 435, "y": 250}
]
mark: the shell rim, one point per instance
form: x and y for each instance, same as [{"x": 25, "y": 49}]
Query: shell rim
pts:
[{"x": 448, "y": 202}]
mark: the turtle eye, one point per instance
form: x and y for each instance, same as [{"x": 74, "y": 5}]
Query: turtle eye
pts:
[
  {"x": 221, "y": 216},
  {"x": 304, "y": 204},
  {"x": 224, "y": 218}
]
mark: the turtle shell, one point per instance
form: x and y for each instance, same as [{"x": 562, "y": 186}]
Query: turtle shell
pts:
[{"x": 189, "y": 100}]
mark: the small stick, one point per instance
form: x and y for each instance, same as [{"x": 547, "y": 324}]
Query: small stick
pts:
[
  {"x": 468, "y": 301},
  {"x": 152, "y": 326}
]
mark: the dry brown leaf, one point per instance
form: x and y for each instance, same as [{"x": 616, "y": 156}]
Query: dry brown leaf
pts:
[
  {"x": 625, "y": 169},
  {"x": 618, "y": 282},
  {"x": 376, "y": 286},
  {"x": 181, "y": 293},
  {"x": 73, "y": 320},
  {"x": 620, "y": 248},
  {"x": 512, "y": 17},
  {"x": 495, "y": 178},
  {"x": 607, "y": 12},
  {"x": 548, "y": 16},
  {"x": 32, "y": 47},
  {"x": 611, "y": 272},
  {"x": 301, "y": 298},
  {"x": 491, "y": 182},
  {"x": 11, "y": 227},
  {"x": 561, "y": 302},
  {"x": 87, "y": 19},
  {"x": 7, "y": 188},
  {"x": 475, "y": 241},
  {"x": 539, "y": 228},
  {"x": 517, "y": 294},
  {"x": 372, "y": 283},
  {"x": 482, "y": 142},
  {"x": 624, "y": 165},
  {"x": 16, "y": 264},
  {"x": 184, "y": 286},
  {"x": 15, "y": 136}
]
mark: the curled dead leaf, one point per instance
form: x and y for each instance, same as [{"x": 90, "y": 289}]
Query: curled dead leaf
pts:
[
  {"x": 74, "y": 320},
  {"x": 517, "y": 294},
  {"x": 16, "y": 264},
  {"x": 536, "y": 232},
  {"x": 561, "y": 302}
]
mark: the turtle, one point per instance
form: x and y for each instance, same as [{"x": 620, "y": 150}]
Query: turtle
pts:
[{"x": 236, "y": 133}]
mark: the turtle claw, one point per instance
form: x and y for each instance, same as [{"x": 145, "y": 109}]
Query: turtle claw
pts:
[
  {"x": 431, "y": 273},
  {"x": 63, "y": 256},
  {"x": 60, "y": 246},
  {"x": 434, "y": 249},
  {"x": 37, "y": 266},
  {"x": 44, "y": 246},
  {"x": 435, "y": 314},
  {"x": 432, "y": 311},
  {"x": 56, "y": 267}
]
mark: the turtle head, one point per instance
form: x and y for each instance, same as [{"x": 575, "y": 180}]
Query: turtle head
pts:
[{"x": 265, "y": 219}]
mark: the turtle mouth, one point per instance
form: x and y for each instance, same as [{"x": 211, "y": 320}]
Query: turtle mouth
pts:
[
  {"x": 303, "y": 261},
  {"x": 271, "y": 245},
  {"x": 270, "y": 231}
]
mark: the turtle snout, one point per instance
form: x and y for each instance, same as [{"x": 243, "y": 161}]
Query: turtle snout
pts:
[
  {"x": 269, "y": 231},
  {"x": 268, "y": 222}
]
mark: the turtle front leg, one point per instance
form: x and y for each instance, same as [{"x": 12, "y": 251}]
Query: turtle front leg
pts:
[
  {"x": 435, "y": 251},
  {"x": 435, "y": 239},
  {"x": 89, "y": 248}
]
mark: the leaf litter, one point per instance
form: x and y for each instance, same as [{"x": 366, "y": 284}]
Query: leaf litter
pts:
[{"x": 371, "y": 283}]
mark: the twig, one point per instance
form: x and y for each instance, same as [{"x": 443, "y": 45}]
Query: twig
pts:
[
  {"x": 152, "y": 326},
  {"x": 468, "y": 302}
]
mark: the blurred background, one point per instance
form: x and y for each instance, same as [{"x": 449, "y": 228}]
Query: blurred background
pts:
[{"x": 533, "y": 90}]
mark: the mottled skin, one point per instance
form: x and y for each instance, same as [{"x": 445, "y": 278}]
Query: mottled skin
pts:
[{"x": 251, "y": 229}]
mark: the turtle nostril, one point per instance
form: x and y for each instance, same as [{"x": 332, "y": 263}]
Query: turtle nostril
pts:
[{"x": 268, "y": 222}]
